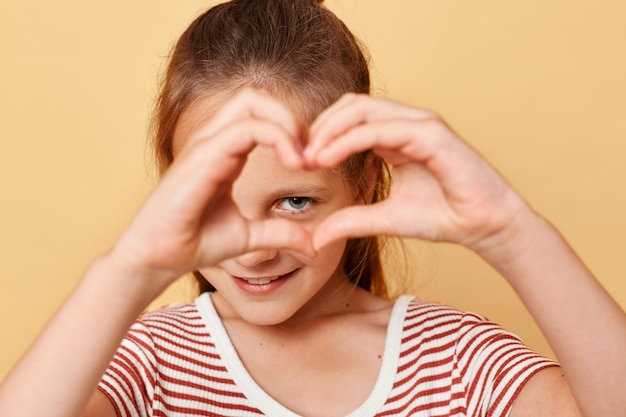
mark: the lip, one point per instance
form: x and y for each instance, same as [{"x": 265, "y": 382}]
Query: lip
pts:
[{"x": 264, "y": 287}]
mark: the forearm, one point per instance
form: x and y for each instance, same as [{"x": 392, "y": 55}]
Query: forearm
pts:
[
  {"x": 584, "y": 326},
  {"x": 59, "y": 373}
]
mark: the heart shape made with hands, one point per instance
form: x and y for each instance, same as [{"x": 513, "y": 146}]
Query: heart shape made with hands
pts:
[
  {"x": 298, "y": 172},
  {"x": 314, "y": 198},
  {"x": 442, "y": 189},
  {"x": 228, "y": 170}
]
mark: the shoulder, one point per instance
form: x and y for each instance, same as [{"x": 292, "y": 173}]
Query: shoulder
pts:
[
  {"x": 426, "y": 316},
  {"x": 178, "y": 325},
  {"x": 172, "y": 315},
  {"x": 430, "y": 310},
  {"x": 430, "y": 318},
  {"x": 468, "y": 340},
  {"x": 473, "y": 356}
]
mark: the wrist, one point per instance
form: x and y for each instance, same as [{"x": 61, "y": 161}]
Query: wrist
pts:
[
  {"x": 134, "y": 279},
  {"x": 514, "y": 242}
]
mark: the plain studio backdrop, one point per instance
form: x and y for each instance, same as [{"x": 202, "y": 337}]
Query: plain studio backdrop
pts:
[{"x": 537, "y": 87}]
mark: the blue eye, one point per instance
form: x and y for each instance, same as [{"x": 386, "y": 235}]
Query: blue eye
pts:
[{"x": 295, "y": 203}]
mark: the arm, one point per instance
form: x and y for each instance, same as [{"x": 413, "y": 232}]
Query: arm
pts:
[
  {"x": 444, "y": 191},
  {"x": 62, "y": 368},
  {"x": 179, "y": 228},
  {"x": 584, "y": 326}
]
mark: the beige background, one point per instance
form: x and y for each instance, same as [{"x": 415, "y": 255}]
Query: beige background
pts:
[{"x": 538, "y": 87}]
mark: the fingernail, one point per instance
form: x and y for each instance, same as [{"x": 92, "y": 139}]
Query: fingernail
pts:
[{"x": 309, "y": 157}]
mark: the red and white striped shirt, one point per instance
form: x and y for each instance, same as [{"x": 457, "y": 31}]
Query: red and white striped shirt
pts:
[{"x": 438, "y": 361}]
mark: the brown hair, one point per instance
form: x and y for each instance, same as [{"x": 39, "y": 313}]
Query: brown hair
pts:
[{"x": 295, "y": 49}]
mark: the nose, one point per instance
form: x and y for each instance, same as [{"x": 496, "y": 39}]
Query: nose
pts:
[{"x": 257, "y": 257}]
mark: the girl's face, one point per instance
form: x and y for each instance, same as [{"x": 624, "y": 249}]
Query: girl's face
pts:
[{"x": 268, "y": 287}]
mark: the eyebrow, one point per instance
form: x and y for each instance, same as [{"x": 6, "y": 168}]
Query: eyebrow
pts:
[{"x": 299, "y": 190}]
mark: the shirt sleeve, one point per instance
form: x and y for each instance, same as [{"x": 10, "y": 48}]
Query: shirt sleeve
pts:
[
  {"x": 130, "y": 378},
  {"x": 494, "y": 365}
]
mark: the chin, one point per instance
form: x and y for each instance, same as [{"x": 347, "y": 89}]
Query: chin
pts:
[{"x": 266, "y": 314}]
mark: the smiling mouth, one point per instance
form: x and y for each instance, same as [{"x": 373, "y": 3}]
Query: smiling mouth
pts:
[
  {"x": 260, "y": 281},
  {"x": 264, "y": 280}
]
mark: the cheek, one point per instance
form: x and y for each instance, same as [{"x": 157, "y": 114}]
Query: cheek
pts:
[
  {"x": 213, "y": 275},
  {"x": 329, "y": 259}
]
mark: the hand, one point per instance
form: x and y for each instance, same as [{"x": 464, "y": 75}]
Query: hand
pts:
[
  {"x": 442, "y": 189},
  {"x": 190, "y": 220}
]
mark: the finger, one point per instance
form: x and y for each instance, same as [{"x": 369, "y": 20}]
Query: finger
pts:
[
  {"x": 353, "y": 222},
  {"x": 354, "y": 110},
  {"x": 417, "y": 140},
  {"x": 344, "y": 101},
  {"x": 455, "y": 164},
  {"x": 239, "y": 139},
  {"x": 232, "y": 144},
  {"x": 201, "y": 168},
  {"x": 252, "y": 103},
  {"x": 279, "y": 234}
]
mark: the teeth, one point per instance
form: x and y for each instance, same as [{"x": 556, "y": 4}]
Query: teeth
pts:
[{"x": 260, "y": 281}]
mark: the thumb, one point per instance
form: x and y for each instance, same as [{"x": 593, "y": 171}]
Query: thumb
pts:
[
  {"x": 279, "y": 234},
  {"x": 351, "y": 222}
]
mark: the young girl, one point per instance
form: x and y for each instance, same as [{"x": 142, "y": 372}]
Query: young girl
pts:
[{"x": 275, "y": 185}]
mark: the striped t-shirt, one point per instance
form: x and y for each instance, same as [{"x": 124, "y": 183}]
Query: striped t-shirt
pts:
[{"x": 438, "y": 361}]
